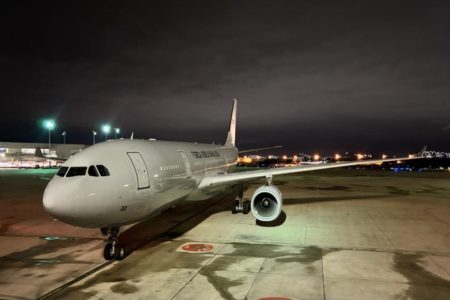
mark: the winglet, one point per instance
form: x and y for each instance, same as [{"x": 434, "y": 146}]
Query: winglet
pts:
[
  {"x": 132, "y": 136},
  {"x": 231, "y": 137},
  {"x": 422, "y": 152}
]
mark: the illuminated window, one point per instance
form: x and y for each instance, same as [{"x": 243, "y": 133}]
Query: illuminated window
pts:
[{"x": 28, "y": 150}]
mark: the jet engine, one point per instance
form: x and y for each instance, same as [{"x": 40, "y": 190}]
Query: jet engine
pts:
[{"x": 266, "y": 203}]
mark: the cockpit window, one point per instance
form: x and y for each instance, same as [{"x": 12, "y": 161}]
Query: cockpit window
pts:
[
  {"x": 62, "y": 171},
  {"x": 92, "y": 171},
  {"x": 102, "y": 170},
  {"x": 76, "y": 171}
]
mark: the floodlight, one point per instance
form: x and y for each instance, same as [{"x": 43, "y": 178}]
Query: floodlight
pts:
[
  {"x": 49, "y": 124},
  {"x": 106, "y": 129}
]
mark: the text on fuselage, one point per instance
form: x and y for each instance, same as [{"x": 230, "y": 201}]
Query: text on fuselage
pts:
[{"x": 205, "y": 154}]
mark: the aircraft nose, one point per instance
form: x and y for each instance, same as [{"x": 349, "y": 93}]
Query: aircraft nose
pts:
[
  {"x": 52, "y": 199},
  {"x": 69, "y": 202}
]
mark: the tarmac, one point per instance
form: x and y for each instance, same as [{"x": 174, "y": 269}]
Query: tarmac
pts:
[{"x": 344, "y": 234}]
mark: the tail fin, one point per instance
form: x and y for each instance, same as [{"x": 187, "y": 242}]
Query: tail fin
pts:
[
  {"x": 231, "y": 137},
  {"x": 38, "y": 152}
]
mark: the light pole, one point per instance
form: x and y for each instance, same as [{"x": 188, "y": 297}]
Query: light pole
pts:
[
  {"x": 116, "y": 132},
  {"x": 106, "y": 130},
  {"x": 50, "y": 125},
  {"x": 94, "y": 133},
  {"x": 64, "y": 133}
]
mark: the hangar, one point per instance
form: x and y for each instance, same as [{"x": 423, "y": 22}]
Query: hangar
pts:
[{"x": 17, "y": 154}]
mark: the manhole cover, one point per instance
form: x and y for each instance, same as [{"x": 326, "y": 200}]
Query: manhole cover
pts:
[{"x": 197, "y": 247}]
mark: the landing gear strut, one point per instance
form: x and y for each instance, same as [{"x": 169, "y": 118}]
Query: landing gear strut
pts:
[
  {"x": 240, "y": 204},
  {"x": 112, "y": 250}
]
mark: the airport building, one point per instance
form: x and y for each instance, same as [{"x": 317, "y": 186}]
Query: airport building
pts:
[{"x": 16, "y": 155}]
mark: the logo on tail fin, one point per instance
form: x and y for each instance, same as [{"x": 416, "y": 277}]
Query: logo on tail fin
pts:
[{"x": 231, "y": 137}]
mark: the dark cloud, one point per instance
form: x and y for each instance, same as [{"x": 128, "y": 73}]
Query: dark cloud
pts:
[{"x": 312, "y": 76}]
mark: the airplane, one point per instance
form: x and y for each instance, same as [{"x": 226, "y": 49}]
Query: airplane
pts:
[{"x": 121, "y": 182}]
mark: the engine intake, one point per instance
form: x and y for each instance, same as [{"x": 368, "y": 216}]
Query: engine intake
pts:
[{"x": 266, "y": 203}]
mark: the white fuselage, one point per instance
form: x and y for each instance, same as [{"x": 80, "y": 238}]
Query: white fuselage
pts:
[{"x": 145, "y": 177}]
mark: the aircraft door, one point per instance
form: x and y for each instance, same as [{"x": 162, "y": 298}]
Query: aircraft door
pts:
[
  {"x": 187, "y": 164},
  {"x": 140, "y": 168}
]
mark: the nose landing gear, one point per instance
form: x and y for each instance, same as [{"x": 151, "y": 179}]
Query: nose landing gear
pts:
[{"x": 112, "y": 250}]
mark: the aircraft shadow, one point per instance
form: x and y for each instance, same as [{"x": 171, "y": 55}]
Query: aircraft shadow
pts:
[{"x": 177, "y": 221}]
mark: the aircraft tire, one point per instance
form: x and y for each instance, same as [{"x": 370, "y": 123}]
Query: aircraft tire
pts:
[
  {"x": 246, "y": 207},
  {"x": 108, "y": 251},
  {"x": 234, "y": 207},
  {"x": 120, "y": 252}
]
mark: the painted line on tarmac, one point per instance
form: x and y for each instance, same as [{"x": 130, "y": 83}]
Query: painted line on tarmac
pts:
[
  {"x": 75, "y": 280},
  {"x": 107, "y": 263}
]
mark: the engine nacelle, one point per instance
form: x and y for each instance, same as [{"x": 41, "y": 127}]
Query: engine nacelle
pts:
[{"x": 266, "y": 203}]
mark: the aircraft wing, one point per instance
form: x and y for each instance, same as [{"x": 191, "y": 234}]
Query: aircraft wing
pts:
[
  {"x": 57, "y": 159},
  {"x": 259, "y": 149},
  {"x": 269, "y": 173}
]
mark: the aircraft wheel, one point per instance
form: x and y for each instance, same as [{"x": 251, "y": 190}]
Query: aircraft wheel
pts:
[
  {"x": 246, "y": 209},
  {"x": 108, "y": 251},
  {"x": 120, "y": 252},
  {"x": 235, "y": 207}
]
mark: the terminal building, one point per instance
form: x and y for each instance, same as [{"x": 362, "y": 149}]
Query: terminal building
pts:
[{"x": 35, "y": 155}]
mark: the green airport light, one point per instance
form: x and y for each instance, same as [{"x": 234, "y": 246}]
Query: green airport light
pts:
[
  {"x": 106, "y": 129},
  {"x": 116, "y": 132},
  {"x": 94, "y": 133},
  {"x": 49, "y": 125}
]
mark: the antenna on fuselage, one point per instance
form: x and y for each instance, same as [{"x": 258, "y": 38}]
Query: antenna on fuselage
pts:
[{"x": 132, "y": 135}]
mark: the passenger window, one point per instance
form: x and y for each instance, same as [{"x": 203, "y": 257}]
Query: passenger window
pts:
[
  {"x": 76, "y": 171},
  {"x": 102, "y": 170},
  {"x": 62, "y": 171},
  {"x": 92, "y": 171}
]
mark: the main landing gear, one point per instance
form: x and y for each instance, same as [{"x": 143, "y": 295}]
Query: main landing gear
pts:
[
  {"x": 112, "y": 250},
  {"x": 240, "y": 204}
]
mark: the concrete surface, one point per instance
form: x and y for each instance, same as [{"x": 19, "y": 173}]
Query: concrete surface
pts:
[{"x": 346, "y": 235}]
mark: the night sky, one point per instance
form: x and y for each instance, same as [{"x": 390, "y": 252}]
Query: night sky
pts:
[{"x": 309, "y": 75}]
